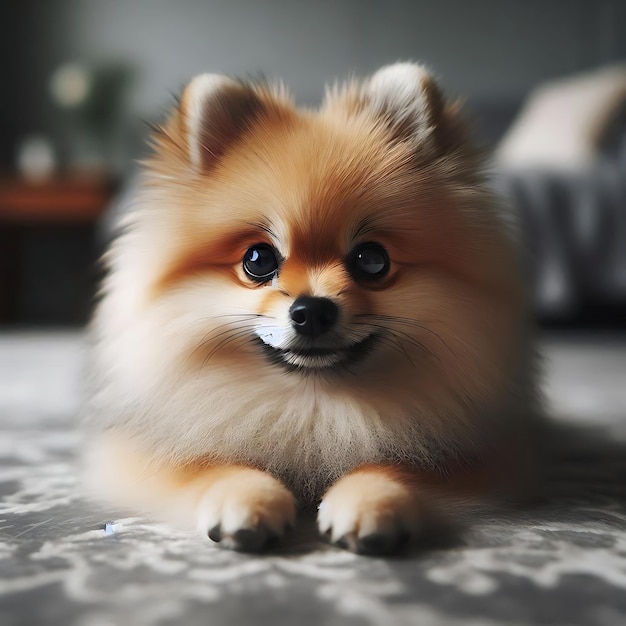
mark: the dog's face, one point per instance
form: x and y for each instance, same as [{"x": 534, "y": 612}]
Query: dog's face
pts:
[
  {"x": 352, "y": 249},
  {"x": 315, "y": 246}
]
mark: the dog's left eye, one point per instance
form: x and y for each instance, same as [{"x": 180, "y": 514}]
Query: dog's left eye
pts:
[
  {"x": 260, "y": 262},
  {"x": 368, "y": 261}
]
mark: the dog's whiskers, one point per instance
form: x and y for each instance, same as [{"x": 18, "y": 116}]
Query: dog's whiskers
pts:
[
  {"x": 235, "y": 334},
  {"x": 407, "y": 321},
  {"x": 401, "y": 338},
  {"x": 224, "y": 329}
]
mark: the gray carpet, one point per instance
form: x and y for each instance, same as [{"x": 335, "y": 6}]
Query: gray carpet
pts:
[{"x": 562, "y": 561}]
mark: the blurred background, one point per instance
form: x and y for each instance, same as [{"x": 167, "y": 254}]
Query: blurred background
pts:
[{"x": 544, "y": 81}]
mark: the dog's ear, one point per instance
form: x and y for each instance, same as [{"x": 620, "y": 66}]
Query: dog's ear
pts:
[
  {"x": 214, "y": 113},
  {"x": 406, "y": 98}
]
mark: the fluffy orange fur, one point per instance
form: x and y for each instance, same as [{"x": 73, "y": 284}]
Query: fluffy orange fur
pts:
[{"x": 192, "y": 413}]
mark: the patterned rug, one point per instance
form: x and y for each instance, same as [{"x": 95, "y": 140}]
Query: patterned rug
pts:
[{"x": 64, "y": 561}]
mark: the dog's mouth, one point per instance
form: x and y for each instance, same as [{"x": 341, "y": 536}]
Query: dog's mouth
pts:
[{"x": 298, "y": 358}]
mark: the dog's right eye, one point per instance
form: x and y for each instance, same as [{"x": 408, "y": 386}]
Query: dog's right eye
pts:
[{"x": 260, "y": 262}]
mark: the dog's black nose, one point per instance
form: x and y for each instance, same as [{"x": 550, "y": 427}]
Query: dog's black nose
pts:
[{"x": 312, "y": 316}]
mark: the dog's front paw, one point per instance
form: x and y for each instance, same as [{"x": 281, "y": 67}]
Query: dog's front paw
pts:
[
  {"x": 246, "y": 509},
  {"x": 369, "y": 512}
]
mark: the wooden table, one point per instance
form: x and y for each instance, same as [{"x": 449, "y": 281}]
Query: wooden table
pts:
[{"x": 61, "y": 204}]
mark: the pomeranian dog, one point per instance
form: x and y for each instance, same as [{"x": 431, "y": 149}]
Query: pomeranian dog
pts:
[{"x": 312, "y": 307}]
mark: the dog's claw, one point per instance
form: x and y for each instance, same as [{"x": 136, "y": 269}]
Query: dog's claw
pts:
[
  {"x": 375, "y": 544},
  {"x": 245, "y": 539},
  {"x": 342, "y": 542},
  {"x": 250, "y": 539},
  {"x": 378, "y": 544},
  {"x": 215, "y": 534}
]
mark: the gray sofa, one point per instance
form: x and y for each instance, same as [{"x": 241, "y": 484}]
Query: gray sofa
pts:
[
  {"x": 574, "y": 230},
  {"x": 572, "y": 223}
]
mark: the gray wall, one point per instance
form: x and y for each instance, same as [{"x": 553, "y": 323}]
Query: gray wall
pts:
[{"x": 478, "y": 47}]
